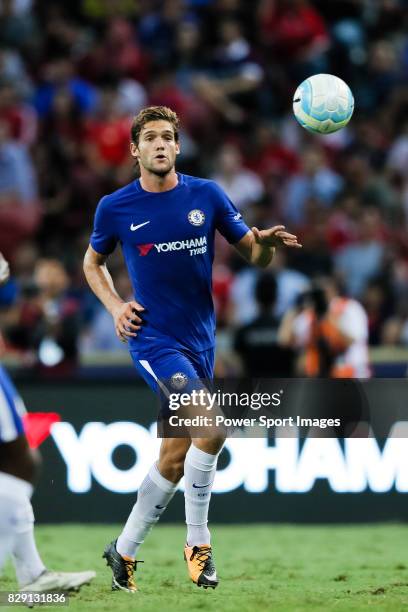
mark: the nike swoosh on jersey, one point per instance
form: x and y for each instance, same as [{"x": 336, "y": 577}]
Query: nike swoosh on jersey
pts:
[
  {"x": 160, "y": 507},
  {"x": 133, "y": 228},
  {"x": 201, "y": 486}
]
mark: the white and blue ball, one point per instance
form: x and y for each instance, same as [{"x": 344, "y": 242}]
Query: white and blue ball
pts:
[{"x": 323, "y": 104}]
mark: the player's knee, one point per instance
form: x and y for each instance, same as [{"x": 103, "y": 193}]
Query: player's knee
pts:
[
  {"x": 17, "y": 459},
  {"x": 211, "y": 445}
]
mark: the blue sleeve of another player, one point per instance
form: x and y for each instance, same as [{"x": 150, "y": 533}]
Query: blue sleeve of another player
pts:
[
  {"x": 103, "y": 239},
  {"x": 229, "y": 221}
]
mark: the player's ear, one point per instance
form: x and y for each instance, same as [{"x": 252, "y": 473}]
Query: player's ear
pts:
[
  {"x": 134, "y": 150},
  {"x": 177, "y": 148}
]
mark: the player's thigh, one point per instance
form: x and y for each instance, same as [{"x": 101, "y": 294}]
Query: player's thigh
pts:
[
  {"x": 166, "y": 371},
  {"x": 18, "y": 459},
  {"x": 205, "y": 364}
]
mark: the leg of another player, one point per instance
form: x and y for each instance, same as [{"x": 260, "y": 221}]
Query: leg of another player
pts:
[
  {"x": 18, "y": 469},
  {"x": 19, "y": 466},
  {"x": 155, "y": 493}
]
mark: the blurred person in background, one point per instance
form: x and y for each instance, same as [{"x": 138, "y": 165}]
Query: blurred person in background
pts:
[
  {"x": 378, "y": 302},
  {"x": 330, "y": 331},
  {"x": 45, "y": 320},
  {"x": 295, "y": 32},
  {"x": 106, "y": 140},
  {"x": 59, "y": 73},
  {"x": 100, "y": 335},
  {"x": 257, "y": 342},
  {"x": 290, "y": 285},
  {"x": 316, "y": 180},
  {"x": 243, "y": 186},
  {"x": 18, "y": 28},
  {"x": 230, "y": 86},
  {"x": 20, "y": 116},
  {"x": 362, "y": 260},
  {"x": 369, "y": 184},
  {"x": 20, "y": 211},
  {"x": 266, "y": 153}
]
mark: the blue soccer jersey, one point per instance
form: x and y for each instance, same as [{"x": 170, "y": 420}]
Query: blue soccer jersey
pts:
[
  {"x": 12, "y": 410},
  {"x": 167, "y": 240}
]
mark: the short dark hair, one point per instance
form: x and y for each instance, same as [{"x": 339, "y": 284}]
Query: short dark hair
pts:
[
  {"x": 154, "y": 113},
  {"x": 266, "y": 290}
]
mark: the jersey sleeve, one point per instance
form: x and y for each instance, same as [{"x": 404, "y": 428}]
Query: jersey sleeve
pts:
[
  {"x": 103, "y": 239},
  {"x": 228, "y": 221}
]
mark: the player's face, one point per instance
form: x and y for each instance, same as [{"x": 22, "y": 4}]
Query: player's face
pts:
[{"x": 157, "y": 148}]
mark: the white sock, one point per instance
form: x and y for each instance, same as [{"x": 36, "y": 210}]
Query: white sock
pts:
[
  {"x": 26, "y": 559},
  {"x": 199, "y": 473},
  {"x": 152, "y": 498},
  {"x": 14, "y": 493}
]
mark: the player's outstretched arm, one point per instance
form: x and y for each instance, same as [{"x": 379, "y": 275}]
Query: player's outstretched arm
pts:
[
  {"x": 125, "y": 317},
  {"x": 258, "y": 246}
]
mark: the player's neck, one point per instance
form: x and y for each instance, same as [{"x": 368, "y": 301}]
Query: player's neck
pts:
[{"x": 154, "y": 183}]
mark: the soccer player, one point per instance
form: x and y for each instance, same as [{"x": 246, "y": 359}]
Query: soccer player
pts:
[
  {"x": 165, "y": 222},
  {"x": 18, "y": 468}
]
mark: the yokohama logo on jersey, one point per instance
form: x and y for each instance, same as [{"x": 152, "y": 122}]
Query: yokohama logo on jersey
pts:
[{"x": 196, "y": 246}]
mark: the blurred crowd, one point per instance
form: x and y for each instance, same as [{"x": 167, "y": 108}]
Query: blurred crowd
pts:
[{"x": 72, "y": 75}]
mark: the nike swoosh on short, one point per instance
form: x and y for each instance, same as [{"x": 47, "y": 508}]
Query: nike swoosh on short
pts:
[
  {"x": 133, "y": 228},
  {"x": 201, "y": 486},
  {"x": 160, "y": 507}
]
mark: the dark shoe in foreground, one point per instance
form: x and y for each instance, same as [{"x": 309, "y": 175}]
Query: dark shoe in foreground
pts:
[
  {"x": 201, "y": 566},
  {"x": 122, "y": 569}
]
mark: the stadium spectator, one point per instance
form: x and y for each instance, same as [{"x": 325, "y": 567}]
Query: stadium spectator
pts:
[
  {"x": 19, "y": 203},
  {"x": 18, "y": 29},
  {"x": 20, "y": 117},
  {"x": 230, "y": 87},
  {"x": 290, "y": 284},
  {"x": 314, "y": 180},
  {"x": 243, "y": 186},
  {"x": 59, "y": 74},
  {"x": 106, "y": 140},
  {"x": 45, "y": 320},
  {"x": 296, "y": 33},
  {"x": 330, "y": 331},
  {"x": 100, "y": 334},
  {"x": 363, "y": 260},
  {"x": 257, "y": 342}
]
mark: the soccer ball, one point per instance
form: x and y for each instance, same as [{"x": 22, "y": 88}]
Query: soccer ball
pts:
[{"x": 323, "y": 104}]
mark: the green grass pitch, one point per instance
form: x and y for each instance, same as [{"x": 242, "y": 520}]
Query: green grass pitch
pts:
[{"x": 261, "y": 567}]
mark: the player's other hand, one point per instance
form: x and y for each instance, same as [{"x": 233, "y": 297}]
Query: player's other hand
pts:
[
  {"x": 127, "y": 320},
  {"x": 4, "y": 270},
  {"x": 275, "y": 236}
]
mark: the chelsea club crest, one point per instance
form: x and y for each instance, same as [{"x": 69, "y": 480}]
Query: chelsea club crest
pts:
[{"x": 196, "y": 217}]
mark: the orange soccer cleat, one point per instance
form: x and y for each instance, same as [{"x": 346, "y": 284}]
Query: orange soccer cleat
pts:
[{"x": 201, "y": 566}]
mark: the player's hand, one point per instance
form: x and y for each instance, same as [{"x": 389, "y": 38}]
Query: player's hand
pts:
[
  {"x": 4, "y": 270},
  {"x": 127, "y": 320},
  {"x": 275, "y": 236}
]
